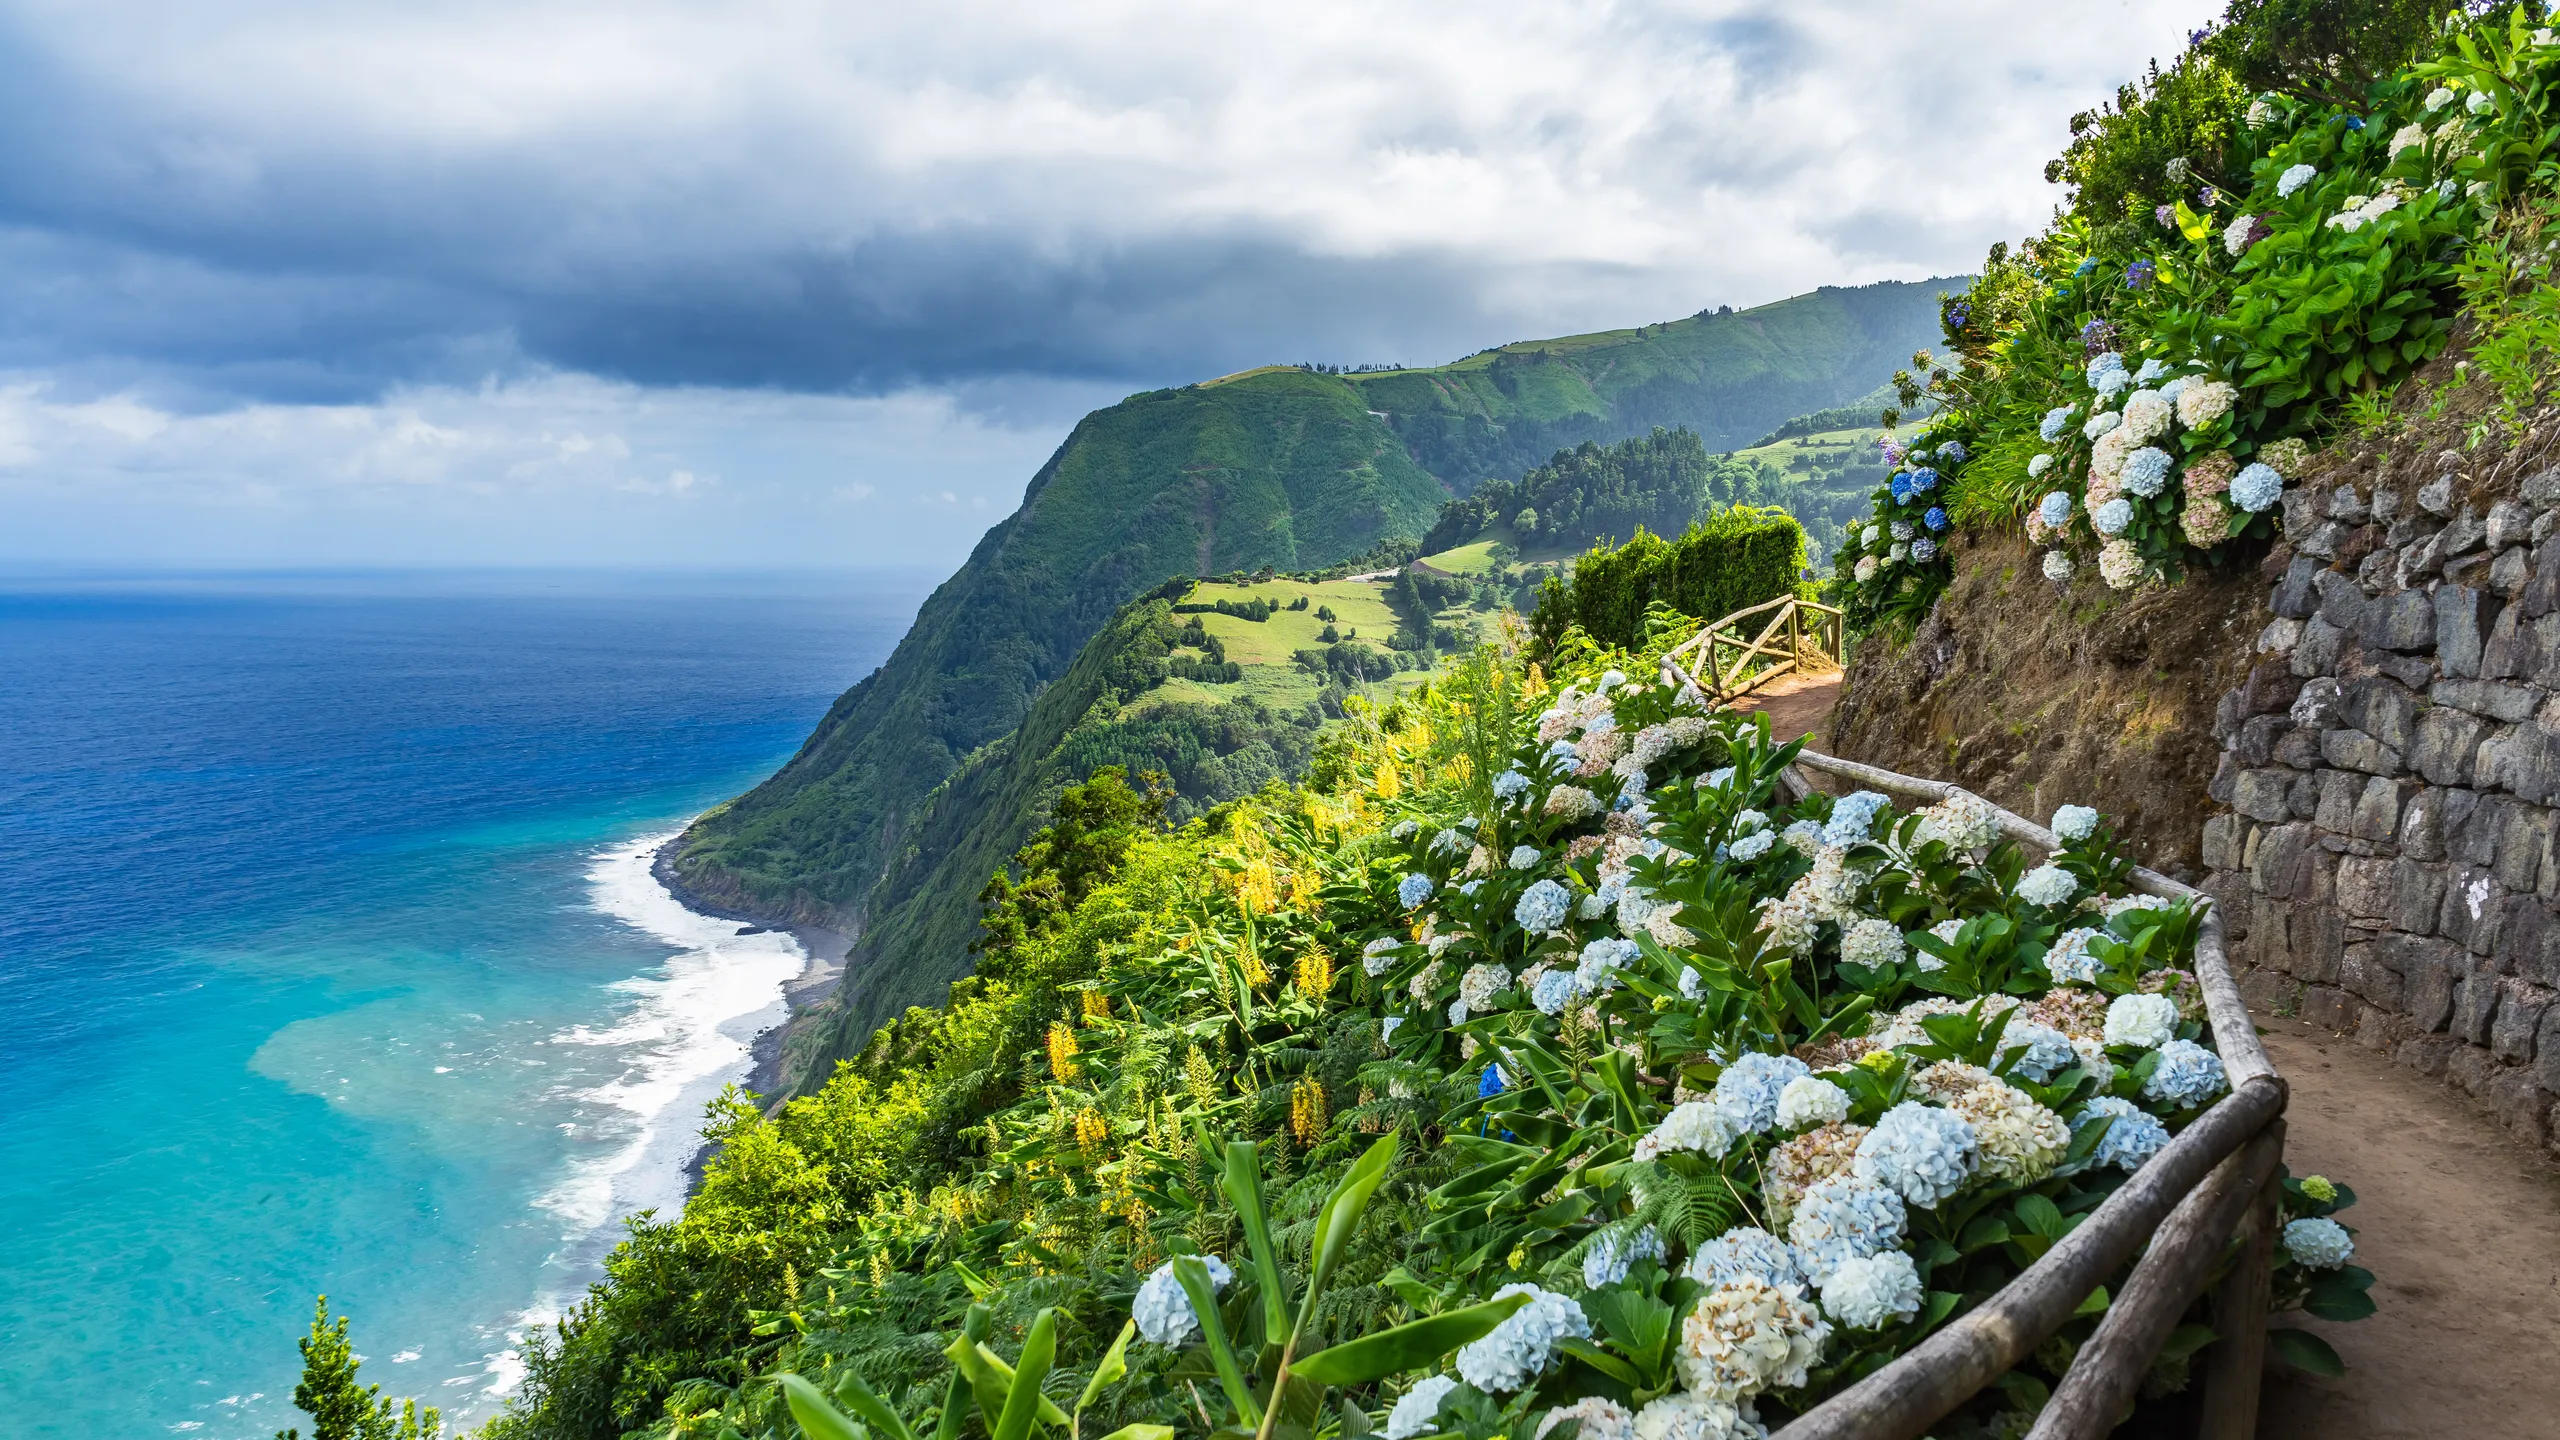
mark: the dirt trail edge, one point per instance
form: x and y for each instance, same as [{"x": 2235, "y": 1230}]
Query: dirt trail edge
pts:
[{"x": 2462, "y": 1229}]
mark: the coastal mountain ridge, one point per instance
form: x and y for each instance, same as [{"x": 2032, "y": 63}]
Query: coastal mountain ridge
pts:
[{"x": 1283, "y": 468}]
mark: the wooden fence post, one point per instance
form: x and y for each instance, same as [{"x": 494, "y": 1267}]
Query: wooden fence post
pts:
[{"x": 2237, "y": 1362}]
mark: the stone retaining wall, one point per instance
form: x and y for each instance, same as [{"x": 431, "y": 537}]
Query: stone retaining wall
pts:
[{"x": 2390, "y": 862}]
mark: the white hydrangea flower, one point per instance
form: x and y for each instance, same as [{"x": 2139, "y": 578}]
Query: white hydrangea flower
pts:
[
  {"x": 1748, "y": 1336},
  {"x": 2068, "y": 959},
  {"x": 2021, "y": 1140},
  {"x": 2057, "y": 565},
  {"x": 1163, "y": 1310},
  {"x": 2039, "y": 465},
  {"x": 1691, "y": 987},
  {"x": 2261, "y": 113},
  {"x": 1571, "y": 803},
  {"x": 1387, "y": 1028},
  {"x": 1378, "y": 954},
  {"x": 1522, "y": 857},
  {"x": 2438, "y": 98},
  {"x": 1417, "y": 1413},
  {"x": 1872, "y": 943},
  {"x": 2201, "y": 402},
  {"x": 1920, "y": 1152},
  {"x": 1663, "y": 926},
  {"x": 2133, "y": 1135},
  {"x": 2047, "y": 885},
  {"x": 2100, "y": 423},
  {"x": 2189, "y": 1075},
  {"x": 2075, "y": 823},
  {"x": 1963, "y": 822},
  {"x": 2479, "y": 102},
  {"x": 1873, "y": 1291},
  {"x": 1866, "y": 568},
  {"x": 2146, "y": 416},
  {"x": 2235, "y": 236},
  {"x": 1752, "y": 846},
  {"x": 2294, "y": 178},
  {"x": 1700, "y": 1125},
  {"x": 1608, "y": 1261},
  {"x": 1682, "y": 1415},
  {"x": 1810, "y": 1100},
  {"x": 1600, "y": 1417},
  {"x": 1840, "y": 1218},
  {"x": 1522, "y": 1347},
  {"x": 2144, "y": 1021},
  {"x": 2319, "y": 1243},
  {"x": 2120, "y": 564},
  {"x": 1478, "y": 988},
  {"x": 1601, "y": 957},
  {"x": 1744, "y": 1252},
  {"x": 1805, "y": 836}
]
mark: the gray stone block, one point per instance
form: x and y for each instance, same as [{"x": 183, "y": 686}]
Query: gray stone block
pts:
[
  {"x": 2382, "y": 708},
  {"x": 2521, "y": 1105},
  {"x": 2509, "y": 572},
  {"x": 2436, "y": 497},
  {"x": 2463, "y": 618},
  {"x": 2342, "y": 601},
  {"x": 2495, "y": 699},
  {"x": 2524, "y": 846},
  {"x": 2426, "y": 1054},
  {"x": 2405, "y": 621},
  {"x": 2475, "y": 1008},
  {"x": 2286, "y": 864},
  {"x": 2299, "y": 749},
  {"x": 2329, "y": 1008},
  {"x": 2464, "y": 533},
  {"x": 2542, "y": 592},
  {"x": 2367, "y": 886},
  {"x": 2338, "y": 791},
  {"x": 2377, "y": 810},
  {"x": 2421, "y": 833},
  {"x": 2417, "y": 896},
  {"x": 2263, "y": 795},
  {"x": 2509, "y": 524},
  {"x": 2318, "y": 652},
  {"x": 2221, "y": 848},
  {"x": 2447, "y": 741},
  {"x": 2371, "y": 973},
  {"x": 2432, "y": 971},
  {"x": 2469, "y": 1070},
  {"x": 2304, "y": 798},
  {"x": 2355, "y": 750},
  {"x": 2316, "y": 703},
  {"x": 2515, "y": 647},
  {"x": 2294, "y": 599},
  {"x": 2255, "y": 743},
  {"x": 2546, "y": 1050}
]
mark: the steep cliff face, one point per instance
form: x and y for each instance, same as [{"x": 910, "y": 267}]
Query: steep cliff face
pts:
[{"x": 2036, "y": 695}]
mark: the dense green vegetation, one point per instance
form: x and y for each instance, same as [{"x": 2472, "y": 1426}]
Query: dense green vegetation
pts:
[
  {"x": 1660, "y": 482},
  {"x": 1352, "y": 1039},
  {"x": 2266, "y": 241},
  {"x": 1728, "y": 375},
  {"x": 1278, "y": 469},
  {"x": 1729, "y": 561}
]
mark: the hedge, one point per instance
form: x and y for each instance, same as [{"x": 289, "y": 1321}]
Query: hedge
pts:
[{"x": 1731, "y": 560}]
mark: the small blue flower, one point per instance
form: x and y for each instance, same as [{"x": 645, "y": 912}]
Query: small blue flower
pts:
[
  {"x": 1490, "y": 1083},
  {"x": 2140, "y": 274},
  {"x": 2355, "y": 122},
  {"x": 1923, "y": 480},
  {"x": 1959, "y": 315},
  {"x": 1936, "y": 519},
  {"x": 1923, "y": 550},
  {"x": 1413, "y": 890},
  {"x": 1901, "y": 488},
  {"x": 2085, "y": 267},
  {"x": 2055, "y": 512},
  {"x": 1954, "y": 453}
]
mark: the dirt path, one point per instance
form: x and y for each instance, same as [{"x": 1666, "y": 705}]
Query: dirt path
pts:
[
  {"x": 1797, "y": 705},
  {"x": 2461, "y": 1226}
]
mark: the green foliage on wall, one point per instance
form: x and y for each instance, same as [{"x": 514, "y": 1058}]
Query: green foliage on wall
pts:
[{"x": 1729, "y": 561}]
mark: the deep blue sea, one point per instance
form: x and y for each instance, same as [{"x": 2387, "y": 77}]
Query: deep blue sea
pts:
[{"x": 329, "y": 959}]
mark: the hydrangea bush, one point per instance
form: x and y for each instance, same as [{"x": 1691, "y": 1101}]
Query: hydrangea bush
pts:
[{"x": 2140, "y": 396}]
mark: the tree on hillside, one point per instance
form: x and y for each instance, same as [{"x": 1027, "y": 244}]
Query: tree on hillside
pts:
[
  {"x": 341, "y": 1409},
  {"x": 1088, "y": 835}
]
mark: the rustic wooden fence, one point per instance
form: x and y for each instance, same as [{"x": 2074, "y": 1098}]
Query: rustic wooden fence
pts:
[
  {"x": 2211, "y": 1186},
  {"x": 1731, "y": 658}
]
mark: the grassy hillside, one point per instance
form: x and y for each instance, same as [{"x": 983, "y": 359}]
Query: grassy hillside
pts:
[
  {"x": 1123, "y": 703},
  {"x": 1729, "y": 376},
  {"x": 1284, "y": 469},
  {"x": 1278, "y": 468}
]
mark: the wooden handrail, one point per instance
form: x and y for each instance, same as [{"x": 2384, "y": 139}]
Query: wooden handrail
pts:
[
  {"x": 1905, "y": 1398},
  {"x": 1684, "y": 664}
]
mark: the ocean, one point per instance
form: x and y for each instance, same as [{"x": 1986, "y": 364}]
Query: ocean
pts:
[{"x": 330, "y": 960}]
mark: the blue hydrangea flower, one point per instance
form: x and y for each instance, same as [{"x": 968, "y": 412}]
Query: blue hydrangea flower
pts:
[
  {"x": 1954, "y": 453},
  {"x": 1843, "y": 1218},
  {"x": 2055, "y": 421},
  {"x": 2151, "y": 370},
  {"x": 2146, "y": 471},
  {"x": 1542, "y": 906},
  {"x": 2055, "y": 511},
  {"x": 1923, "y": 550},
  {"x": 1163, "y": 1309},
  {"x": 1923, "y": 480},
  {"x": 1936, "y": 519},
  {"x": 1510, "y": 784},
  {"x": 2171, "y": 391},
  {"x": 1413, "y": 889},
  {"x": 1901, "y": 487},
  {"x": 1491, "y": 1082},
  {"x": 1754, "y": 845},
  {"x": 1470, "y": 887},
  {"x": 2113, "y": 518},
  {"x": 2189, "y": 1075},
  {"x": 2102, "y": 368},
  {"x": 1873, "y": 1291},
  {"x": 1418, "y": 1412},
  {"x": 1920, "y": 1152},
  {"x": 2069, "y": 960},
  {"x": 2133, "y": 1134},
  {"x": 1602, "y": 956},
  {"x": 2084, "y": 267},
  {"x": 1748, "y": 1089},
  {"x": 1852, "y": 816},
  {"x": 1744, "y": 1253},
  {"x": 1555, "y": 990},
  {"x": 1607, "y": 1261},
  {"x": 1523, "y": 1346},
  {"x": 2256, "y": 487},
  {"x": 2319, "y": 1243},
  {"x": 2047, "y": 1051},
  {"x": 2140, "y": 274}
]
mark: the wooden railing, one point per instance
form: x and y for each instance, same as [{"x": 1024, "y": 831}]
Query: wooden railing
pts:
[
  {"x": 1718, "y": 663},
  {"x": 2211, "y": 1185}
]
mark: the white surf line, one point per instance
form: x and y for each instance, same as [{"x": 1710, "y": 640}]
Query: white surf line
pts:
[{"x": 686, "y": 1031}]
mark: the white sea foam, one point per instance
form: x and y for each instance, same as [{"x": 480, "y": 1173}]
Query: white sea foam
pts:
[{"x": 684, "y": 1032}]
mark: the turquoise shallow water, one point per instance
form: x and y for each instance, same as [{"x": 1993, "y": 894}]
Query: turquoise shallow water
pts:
[{"x": 329, "y": 959}]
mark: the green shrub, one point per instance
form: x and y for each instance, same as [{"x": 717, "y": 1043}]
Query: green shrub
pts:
[{"x": 1731, "y": 560}]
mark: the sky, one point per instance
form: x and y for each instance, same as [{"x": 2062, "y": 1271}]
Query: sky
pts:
[{"x": 635, "y": 282}]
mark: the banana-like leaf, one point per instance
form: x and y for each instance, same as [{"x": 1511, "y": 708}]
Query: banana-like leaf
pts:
[
  {"x": 1193, "y": 1276},
  {"x": 992, "y": 1380},
  {"x": 885, "y": 1422},
  {"x": 1339, "y": 1220},
  {"x": 957, "y": 1396},
  {"x": 1141, "y": 1432},
  {"x": 1406, "y": 1347},
  {"x": 1244, "y": 1191},
  {"x": 1114, "y": 1365},
  {"x": 818, "y": 1419},
  {"x": 1022, "y": 1398}
]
